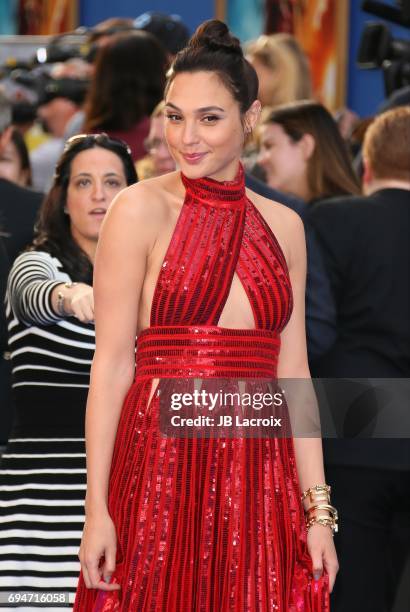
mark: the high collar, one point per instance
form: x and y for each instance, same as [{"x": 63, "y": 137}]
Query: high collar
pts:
[{"x": 217, "y": 192}]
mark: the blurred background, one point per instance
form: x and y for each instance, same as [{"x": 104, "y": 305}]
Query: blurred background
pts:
[{"x": 330, "y": 31}]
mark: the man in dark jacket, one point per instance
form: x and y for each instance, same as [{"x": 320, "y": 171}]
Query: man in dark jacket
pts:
[
  {"x": 18, "y": 211},
  {"x": 366, "y": 247}
]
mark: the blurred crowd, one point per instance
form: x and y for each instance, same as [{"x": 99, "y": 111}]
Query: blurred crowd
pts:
[{"x": 349, "y": 180}]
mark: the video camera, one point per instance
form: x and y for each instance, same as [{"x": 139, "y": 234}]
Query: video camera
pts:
[
  {"x": 378, "y": 49},
  {"x": 43, "y": 88},
  {"x": 29, "y": 83}
]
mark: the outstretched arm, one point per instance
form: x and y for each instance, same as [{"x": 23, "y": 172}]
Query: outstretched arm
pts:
[{"x": 293, "y": 362}]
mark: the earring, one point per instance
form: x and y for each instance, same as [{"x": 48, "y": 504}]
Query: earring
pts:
[{"x": 65, "y": 210}]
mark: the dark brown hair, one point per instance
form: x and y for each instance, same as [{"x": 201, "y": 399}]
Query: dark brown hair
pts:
[
  {"x": 330, "y": 171},
  {"x": 22, "y": 152},
  {"x": 111, "y": 26},
  {"x": 213, "y": 49},
  {"x": 128, "y": 82},
  {"x": 53, "y": 232},
  {"x": 386, "y": 145}
]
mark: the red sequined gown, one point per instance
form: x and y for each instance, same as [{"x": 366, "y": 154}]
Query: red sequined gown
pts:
[{"x": 208, "y": 524}]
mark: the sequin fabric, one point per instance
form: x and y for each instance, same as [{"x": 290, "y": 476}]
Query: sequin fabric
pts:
[{"x": 208, "y": 525}]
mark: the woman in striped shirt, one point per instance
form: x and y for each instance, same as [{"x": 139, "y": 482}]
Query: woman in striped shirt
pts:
[{"x": 50, "y": 313}]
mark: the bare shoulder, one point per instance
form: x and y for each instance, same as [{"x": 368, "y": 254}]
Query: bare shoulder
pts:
[
  {"x": 284, "y": 222},
  {"x": 146, "y": 201},
  {"x": 142, "y": 211}
]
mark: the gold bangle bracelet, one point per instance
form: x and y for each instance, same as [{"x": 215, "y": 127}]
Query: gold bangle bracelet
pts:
[
  {"x": 317, "y": 491},
  {"x": 328, "y": 507}
]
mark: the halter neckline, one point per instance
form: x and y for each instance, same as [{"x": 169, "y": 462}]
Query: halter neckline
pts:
[{"x": 215, "y": 191}]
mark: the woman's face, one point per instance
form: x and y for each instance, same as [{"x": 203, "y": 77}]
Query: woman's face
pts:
[
  {"x": 10, "y": 165},
  {"x": 96, "y": 176},
  {"x": 157, "y": 147},
  {"x": 203, "y": 126},
  {"x": 284, "y": 161}
]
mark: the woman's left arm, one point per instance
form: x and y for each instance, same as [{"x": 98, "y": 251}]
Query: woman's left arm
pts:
[{"x": 293, "y": 364}]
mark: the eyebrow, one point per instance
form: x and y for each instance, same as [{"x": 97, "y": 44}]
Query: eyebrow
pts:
[
  {"x": 89, "y": 174},
  {"x": 203, "y": 109}
]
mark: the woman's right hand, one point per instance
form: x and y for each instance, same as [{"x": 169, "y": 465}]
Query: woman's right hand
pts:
[
  {"x": 78, "y": 301},
  {"x": 81, "y": 302},
  {"x": 99, "y": 541}
]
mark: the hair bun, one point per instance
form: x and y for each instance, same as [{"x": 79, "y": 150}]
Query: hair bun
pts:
[{"x": 215, "y": 35}]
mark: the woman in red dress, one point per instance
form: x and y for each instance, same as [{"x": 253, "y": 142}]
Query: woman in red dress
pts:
[{"x": 211, "y": 279}]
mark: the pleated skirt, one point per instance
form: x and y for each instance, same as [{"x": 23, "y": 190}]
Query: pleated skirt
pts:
[{"x": 203, "y": 525}]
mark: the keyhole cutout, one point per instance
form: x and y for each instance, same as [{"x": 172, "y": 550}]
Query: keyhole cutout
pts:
[{"x": 237, "y": 312}]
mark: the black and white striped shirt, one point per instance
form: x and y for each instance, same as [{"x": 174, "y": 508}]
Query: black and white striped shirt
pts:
[
  {"x": 46, "y": 350},
  {"x": 43, "y": 470}
]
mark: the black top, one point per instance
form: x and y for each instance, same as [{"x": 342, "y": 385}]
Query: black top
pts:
[
  {"x": 366, "y": 247},
  {"x": 18, "y": 212},
  {"x": 50, "y": 355}
]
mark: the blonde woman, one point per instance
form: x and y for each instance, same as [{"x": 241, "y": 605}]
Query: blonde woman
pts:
[{"x": 282, "y": 68}]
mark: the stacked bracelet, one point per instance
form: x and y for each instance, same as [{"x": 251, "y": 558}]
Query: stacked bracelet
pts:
[{"x": 319, "y": 496}]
